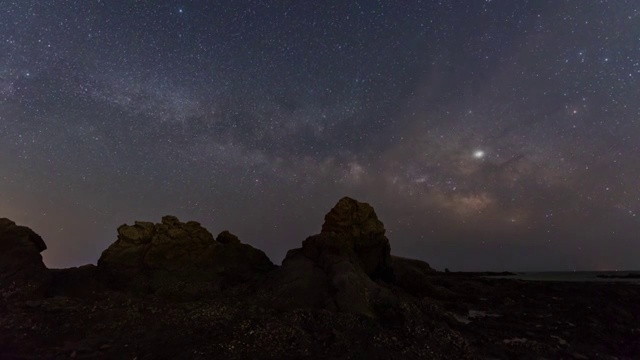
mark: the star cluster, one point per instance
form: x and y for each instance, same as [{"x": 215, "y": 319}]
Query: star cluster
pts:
[{"x": 488, "y": 135}]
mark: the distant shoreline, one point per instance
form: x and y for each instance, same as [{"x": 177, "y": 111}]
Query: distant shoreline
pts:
[
  {"x": 571, "y": 276},
  {"x": 626, "y": 276},
  {"x": 479, "y": 273}
]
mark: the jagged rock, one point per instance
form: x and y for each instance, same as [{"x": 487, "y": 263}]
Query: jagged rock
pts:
[
  {"x": 361, "y": 232},
  {"x": 352, "y": 217},
  {"x": 178, "y": 259},
  {"x": 336, "y": 268},
  {"x": 23, "y": 275}
]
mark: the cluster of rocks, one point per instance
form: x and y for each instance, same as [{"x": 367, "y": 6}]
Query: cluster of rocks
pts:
[
  {"x": 183, "y": 293},
  {"x": 181, "y": 260},
  {"x": 335, "y": 270}
]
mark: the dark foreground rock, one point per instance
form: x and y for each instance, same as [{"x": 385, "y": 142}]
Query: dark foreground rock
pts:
[
  {"x": 340, "y": 296},
  {"x": 23, "y": 275}
]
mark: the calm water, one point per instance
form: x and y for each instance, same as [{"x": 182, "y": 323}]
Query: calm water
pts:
[{"x": 573, "y": 276}]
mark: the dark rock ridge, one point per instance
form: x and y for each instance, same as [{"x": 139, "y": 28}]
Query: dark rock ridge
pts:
[
  {"x": 23, "y": 275},
  {"x": 178, "y": 259}
]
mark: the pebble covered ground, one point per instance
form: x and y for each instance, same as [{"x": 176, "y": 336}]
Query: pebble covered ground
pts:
[{"x": 465, "y": 317}]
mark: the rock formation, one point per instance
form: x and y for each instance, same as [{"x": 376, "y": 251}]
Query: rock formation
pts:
[
  {"x": 336, "y": 269},
  {"x": 23, "y": 275},
  {"x": 358, "y": 226},
  {"x": 341, "y": 295},
  {"x": 178, "y": 259}
]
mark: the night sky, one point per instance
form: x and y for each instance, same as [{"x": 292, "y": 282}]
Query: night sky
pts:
[{"x": 488, "y": 135}]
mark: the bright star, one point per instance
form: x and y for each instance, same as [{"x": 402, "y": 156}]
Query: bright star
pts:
[{"x": 478, "y": 154}]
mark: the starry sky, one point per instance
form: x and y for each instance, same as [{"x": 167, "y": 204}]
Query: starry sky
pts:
[{"x": 488, "y": 135}]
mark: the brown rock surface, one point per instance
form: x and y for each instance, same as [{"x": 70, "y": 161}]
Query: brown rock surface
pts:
[
  {"x": 361, "y": 232},
  {"x": 178, "y": 259},
  {"x": 336, "y": 269},
  {"x": 23, "y": 275}
]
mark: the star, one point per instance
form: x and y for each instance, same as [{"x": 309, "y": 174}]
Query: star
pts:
[{"x": 479, "y": 154}]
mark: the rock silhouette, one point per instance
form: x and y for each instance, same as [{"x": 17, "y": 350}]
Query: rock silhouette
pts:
[
  {"x": 23, "y": 275},
  {"x": 172, "y": 290},
  {"x": 178, "y": 259},
  {"x": 357, "y": 224},
  {"x": 336, "y": 269}
]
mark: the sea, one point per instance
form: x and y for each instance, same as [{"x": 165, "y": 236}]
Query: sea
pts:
[{"x": 579, "y": 276}]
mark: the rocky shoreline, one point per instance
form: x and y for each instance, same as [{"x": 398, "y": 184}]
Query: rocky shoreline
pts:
[{"x": 172, "y": 290}]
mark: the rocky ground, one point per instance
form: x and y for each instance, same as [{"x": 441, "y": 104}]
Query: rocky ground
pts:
[{"x": 173, "y": 291}]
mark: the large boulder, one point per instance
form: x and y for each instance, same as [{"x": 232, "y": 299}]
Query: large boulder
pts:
[
  {"x": 337, "y": 268},
  {"x": 361, "y": 233},
  {"x": 23, "y": 275},
  {"x": 180, "y": 260}
]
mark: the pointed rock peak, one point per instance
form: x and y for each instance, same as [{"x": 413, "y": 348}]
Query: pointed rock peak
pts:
[
  {"x": 352, "y": 217},
  {"x": 226, "y": 237}
]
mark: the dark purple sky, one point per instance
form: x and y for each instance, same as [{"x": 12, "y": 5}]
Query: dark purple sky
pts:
[{"x": 488, "y": 135}]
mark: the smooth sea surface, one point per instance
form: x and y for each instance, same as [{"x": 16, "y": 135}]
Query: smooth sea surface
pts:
[{"x": 572, "y": 276}]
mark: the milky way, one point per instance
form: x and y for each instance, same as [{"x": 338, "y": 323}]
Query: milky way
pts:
[{"x": 488, "y": 135}]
